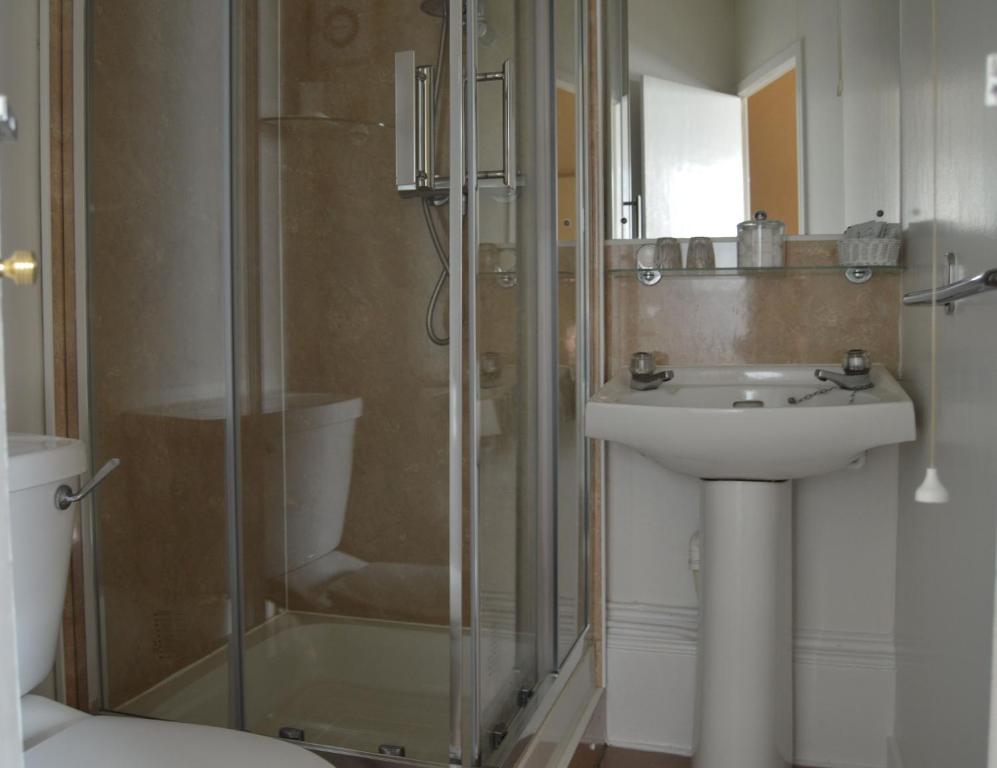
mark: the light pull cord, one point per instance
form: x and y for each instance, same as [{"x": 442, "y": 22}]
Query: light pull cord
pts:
[{"x": 931, "y": 490}]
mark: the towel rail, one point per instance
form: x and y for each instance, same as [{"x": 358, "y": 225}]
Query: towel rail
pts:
[{"x": 953, "y": 292}]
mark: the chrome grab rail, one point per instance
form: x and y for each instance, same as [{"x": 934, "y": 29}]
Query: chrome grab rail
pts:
[{"x": 952, "y": 292}]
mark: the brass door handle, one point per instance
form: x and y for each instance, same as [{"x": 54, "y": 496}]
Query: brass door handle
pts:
[{"x": 21, "y": 267}]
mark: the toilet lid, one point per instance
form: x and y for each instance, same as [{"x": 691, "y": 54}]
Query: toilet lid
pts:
[{"x": 126, "y": 742}]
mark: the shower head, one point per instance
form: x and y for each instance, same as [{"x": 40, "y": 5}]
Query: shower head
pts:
[{"x": 434, "y": 7}]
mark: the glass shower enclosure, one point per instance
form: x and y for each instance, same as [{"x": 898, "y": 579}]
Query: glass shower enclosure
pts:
[{"x": 336, "y": 333}]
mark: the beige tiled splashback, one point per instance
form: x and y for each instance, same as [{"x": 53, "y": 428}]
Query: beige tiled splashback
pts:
[{"x": 782, "y": 317}]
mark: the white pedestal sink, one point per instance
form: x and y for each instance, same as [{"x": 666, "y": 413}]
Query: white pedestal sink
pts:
[{"x": 734, "y": 427}]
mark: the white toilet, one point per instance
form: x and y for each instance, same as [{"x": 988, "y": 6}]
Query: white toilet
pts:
[{"x": 56, "y": 735}]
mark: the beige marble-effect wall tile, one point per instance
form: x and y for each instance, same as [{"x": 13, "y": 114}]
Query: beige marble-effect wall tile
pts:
[{"x": 788, "y": 317}]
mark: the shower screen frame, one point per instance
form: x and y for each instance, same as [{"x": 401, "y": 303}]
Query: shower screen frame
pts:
[
  {"x": 465, "y": 720},
  {"x": 542, "y": 293}
]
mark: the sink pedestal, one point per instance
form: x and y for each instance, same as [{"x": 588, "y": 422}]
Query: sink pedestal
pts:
[{"x": 744, "y": 706}]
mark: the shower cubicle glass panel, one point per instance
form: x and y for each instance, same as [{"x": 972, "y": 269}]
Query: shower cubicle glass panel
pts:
[
  {"x": 503, "y": 350},
  {"x": 572, "y": 337},
  {"x": 347, "y": 634},
  {"x": 158, "y": 197},
  {"x": 524, "y": 216},
  {"x": 272, "y": 347}
]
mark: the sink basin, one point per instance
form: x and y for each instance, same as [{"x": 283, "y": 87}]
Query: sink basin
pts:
[
  {"x": 739, "y": 428},
  {"x": 736, "y": 422}
]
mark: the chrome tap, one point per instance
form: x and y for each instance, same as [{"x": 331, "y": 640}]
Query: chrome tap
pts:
[
  {"x": 644, "y": 374},
  {"x": 855, "y": 375}
]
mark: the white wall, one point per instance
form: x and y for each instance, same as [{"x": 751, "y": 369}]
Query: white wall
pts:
[
  {"x": 844, "y": 544},
  {"x": 687, "y": 42},
  {"x": 20, "y": 208},
  {"x": 946, "y": 561},
  {"x": 852, "y": 138}
]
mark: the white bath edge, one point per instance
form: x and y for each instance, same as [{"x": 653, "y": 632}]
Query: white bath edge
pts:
[{"x": 559, "y": 733}]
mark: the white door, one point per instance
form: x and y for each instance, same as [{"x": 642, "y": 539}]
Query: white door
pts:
[
  {"x": 693, "y": 166},
  {"x": 20, "y": 206},
  {"x": 10, "y": 712}
]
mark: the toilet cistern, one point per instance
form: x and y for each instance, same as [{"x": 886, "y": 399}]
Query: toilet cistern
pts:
[{"x": 42, "y": 472}]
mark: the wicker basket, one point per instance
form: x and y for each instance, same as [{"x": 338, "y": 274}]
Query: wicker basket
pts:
[{"x": 869, "y": 251}]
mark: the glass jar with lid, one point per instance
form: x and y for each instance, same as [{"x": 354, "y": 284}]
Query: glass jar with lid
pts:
[{"x": 761, "y": 242}]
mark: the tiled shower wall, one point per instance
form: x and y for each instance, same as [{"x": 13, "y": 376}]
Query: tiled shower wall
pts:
[{"x": 358, "y": 270}]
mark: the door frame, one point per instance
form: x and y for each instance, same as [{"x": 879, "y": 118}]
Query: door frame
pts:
[{"x": 785, "y": 61}]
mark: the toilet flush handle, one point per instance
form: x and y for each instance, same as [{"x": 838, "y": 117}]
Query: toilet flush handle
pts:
[{"x": 64, "y": 496}]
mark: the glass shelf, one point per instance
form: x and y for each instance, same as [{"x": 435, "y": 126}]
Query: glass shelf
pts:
[
  {"x": 320, "y": 120},
  {"x": 743, "y": 271},
  {"x": 499, "y": 275}
]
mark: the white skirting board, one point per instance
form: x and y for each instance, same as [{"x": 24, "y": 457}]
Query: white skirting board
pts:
[
  {"x": 893, "y": 757},
  {"x": 844, "y": 686}
]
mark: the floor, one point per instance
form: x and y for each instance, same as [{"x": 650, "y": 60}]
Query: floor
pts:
[{"x": 616, "y": 757}]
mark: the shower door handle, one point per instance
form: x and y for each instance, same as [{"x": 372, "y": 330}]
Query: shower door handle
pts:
[
  {"x": 508, "y": 171},
  {"x": 509, "y": 124}
]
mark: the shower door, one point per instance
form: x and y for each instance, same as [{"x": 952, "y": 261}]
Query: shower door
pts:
[
  {"x": 346, "y": 541},
  {"x": 508, "y": 363},
  {"x": 527, "y": 492}
]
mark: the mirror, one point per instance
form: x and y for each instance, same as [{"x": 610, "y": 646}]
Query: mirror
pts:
[{"x": 719, "y": 108}]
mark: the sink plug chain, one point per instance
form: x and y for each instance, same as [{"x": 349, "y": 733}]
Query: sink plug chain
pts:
[{"x": 821, "y": 391}]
